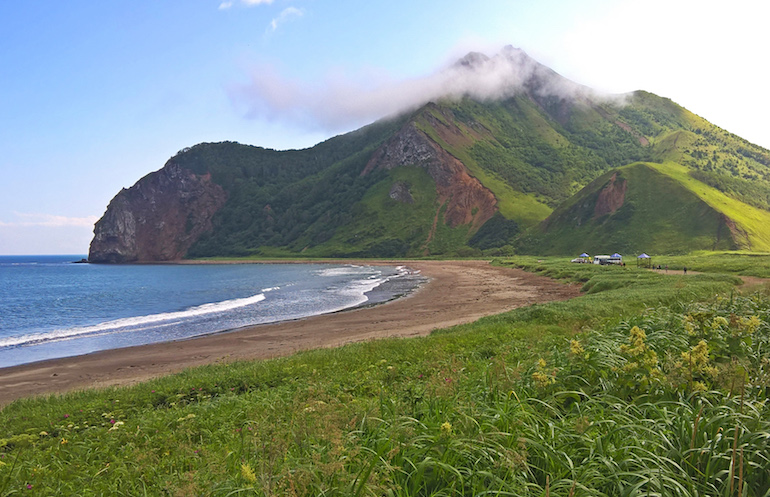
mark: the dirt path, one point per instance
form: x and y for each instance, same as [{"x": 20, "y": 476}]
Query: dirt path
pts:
[
  {"x": 458, "y": 292},
  {"x": 672, "y": 272},
  {"x": 748, "y": 281}
]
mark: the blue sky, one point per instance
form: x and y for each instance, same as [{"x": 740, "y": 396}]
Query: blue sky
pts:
[{"x": 96, "y": 94}]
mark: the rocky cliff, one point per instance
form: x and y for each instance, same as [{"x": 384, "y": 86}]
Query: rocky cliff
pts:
[
  {"x": 158, "y": 218},
  {"x": 464, "y": 199}
]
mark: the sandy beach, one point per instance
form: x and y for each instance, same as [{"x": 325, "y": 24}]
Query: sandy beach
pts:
[{"x": 457, "y": 292}]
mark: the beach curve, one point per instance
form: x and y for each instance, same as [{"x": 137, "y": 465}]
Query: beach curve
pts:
[{"x": 457, "y": 292}]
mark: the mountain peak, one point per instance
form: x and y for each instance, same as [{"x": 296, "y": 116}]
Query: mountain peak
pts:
[
  {"x": 472, "y": 60},
  {"x": 509, "y": 72}
]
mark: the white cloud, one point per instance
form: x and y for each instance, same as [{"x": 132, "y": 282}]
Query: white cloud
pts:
[
  {"x": 229, "y": 3},
  {"x": 285, "y": 15},
  {"x": 49, "y": 220},
  {"x": 341, "y": 102}
]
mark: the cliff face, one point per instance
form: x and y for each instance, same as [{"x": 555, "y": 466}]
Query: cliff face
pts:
[
  {"x": 611, "y": 197},
  {"x": 158, "y": 218},
  {"x": 466, "y": 200}
]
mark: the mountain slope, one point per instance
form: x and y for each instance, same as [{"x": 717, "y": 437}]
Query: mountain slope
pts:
[
  {"x": 694, "y": 160},
  {"x": 470, "y": 171},
  {"x": 634, "y": 209}
]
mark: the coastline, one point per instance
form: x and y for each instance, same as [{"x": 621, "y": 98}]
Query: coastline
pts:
[
  {"x": 455, "y": 292},
  {"x": 172, "y": 303}
]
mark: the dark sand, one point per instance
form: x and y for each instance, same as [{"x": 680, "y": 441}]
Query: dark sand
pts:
[{"x": 457, "y": 292}]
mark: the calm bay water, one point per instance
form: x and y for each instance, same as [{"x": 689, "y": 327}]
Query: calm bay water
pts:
[{"x": 50, "y": 307}]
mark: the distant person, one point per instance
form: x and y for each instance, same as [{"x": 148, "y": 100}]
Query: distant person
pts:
[
  {"x": 666, "y": 267},
  {"x": 685, "y": 270}
]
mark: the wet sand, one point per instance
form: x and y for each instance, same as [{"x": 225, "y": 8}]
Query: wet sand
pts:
[{"x": 457, "y": 292}]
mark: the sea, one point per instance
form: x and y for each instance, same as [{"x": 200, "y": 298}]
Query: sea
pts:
[{"x": 53, "y": 307}]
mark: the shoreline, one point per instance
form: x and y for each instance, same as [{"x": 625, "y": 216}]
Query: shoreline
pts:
[
  {"x": 389, "y": 297},
  {"x": 455, "y": 292},
  {"x": 395, "y": 281}
]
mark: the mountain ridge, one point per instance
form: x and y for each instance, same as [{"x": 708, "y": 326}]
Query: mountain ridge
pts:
[{"x": 505, "y": 155}]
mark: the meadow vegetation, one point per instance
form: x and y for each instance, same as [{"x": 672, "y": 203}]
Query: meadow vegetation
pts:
[{"x": 648, "y": 384}]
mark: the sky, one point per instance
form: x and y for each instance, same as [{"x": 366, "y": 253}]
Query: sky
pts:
[{"x": 96, "y": 94}]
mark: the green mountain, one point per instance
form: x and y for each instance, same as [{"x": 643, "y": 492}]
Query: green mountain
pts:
[
  {"x": 633, "y": 209},
  {"x": 538, "y": 165}
]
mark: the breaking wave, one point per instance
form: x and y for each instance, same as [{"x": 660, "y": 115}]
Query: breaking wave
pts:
[{"x": 136, "y": 323}]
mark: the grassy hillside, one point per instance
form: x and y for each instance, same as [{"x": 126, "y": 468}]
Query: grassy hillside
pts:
[
  {"x": 751, "y": 220},
  {"x": 535, "y": 167},
  {"x": 655, "y": 214},
  {"x": 647, "y": 384},
  {"x": 291, "y": 199},
  {"x": 532, "y": 153},
  {"x": 385, "y": 227}
]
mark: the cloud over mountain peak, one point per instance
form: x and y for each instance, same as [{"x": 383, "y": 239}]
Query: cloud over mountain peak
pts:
[{"x": 339, "y": 103}]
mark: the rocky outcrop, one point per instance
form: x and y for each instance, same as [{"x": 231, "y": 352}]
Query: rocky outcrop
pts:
[
  {"x": 400, "y": 192},
  {"x": 467, "y": 200},
  {"x": 611, "y": 197},
  {"x": 158, "y": 218},
  {"x": 729, "y": 229}
]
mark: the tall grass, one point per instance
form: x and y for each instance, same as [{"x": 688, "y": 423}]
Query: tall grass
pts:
[{"x": 607, "y": 394}]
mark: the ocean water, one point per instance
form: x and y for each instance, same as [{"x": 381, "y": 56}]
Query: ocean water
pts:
[{"x": 51, "y": 307}]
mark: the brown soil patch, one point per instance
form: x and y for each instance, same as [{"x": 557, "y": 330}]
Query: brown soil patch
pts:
[{"x": 611, "y": 197}]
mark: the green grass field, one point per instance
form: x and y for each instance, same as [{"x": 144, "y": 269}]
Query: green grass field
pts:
[{"x": 647, "y": 384}]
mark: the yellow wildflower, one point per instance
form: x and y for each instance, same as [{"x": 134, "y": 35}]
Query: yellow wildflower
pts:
[
  {"x": 446, "y": 429},
  {"x": 542, "y": 380},
  {"x": 641, "y": 368},
  {"x": 636, "y": 337},
  {"x": 689, "y": 324},
  {"x": 698, "y": 357},
  {"x": 248, "y": 474},
  {"x": 753, "y": 324},
  {"x": 719, "y": 322},
  {"x": 748, "y": 325},
  {"x": 576, "y": 348},
  {"x": 698, "y": 386}
]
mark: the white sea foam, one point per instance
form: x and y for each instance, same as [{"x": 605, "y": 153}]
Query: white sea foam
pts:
[
  {"x": 133, "y": 323},
  {"x": 358, "y": 289},
  {"x": 340, "y": 271}
]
